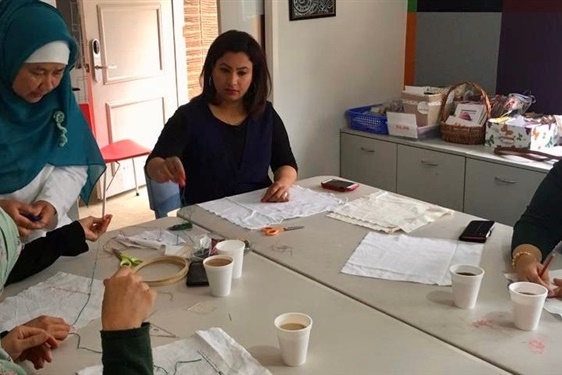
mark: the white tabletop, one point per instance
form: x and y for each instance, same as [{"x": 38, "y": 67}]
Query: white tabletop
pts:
[
  {"x": 320, "y": 250},
  {"x": 348, "y": 337}
]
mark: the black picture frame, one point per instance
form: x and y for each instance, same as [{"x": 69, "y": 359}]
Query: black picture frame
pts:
[{"x": 307, "y": 9}]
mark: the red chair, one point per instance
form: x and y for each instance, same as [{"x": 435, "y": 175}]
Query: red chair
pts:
[{"x": 117, "y": 151}]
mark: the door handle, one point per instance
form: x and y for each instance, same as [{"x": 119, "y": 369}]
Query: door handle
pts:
[
  {"x": 100, "y": 67},
  {"x": 429, "y": 163},
  {"x": 504, "y": 181},
  {"x": 365, "y": 149}
]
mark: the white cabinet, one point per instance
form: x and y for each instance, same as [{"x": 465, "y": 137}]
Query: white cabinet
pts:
[
  {"x": 368, "y": 161},
  {"x": 498, "y": 192},
  {"x": 431, "y": 176}
]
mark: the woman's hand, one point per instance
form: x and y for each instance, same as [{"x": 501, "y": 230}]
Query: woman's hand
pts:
[
  {"x": 277, "y": 192},
  {"x": 29, "y": 343},
  {"x": 169, "y": 169},
  {"x": 127, "y": 301},
  {"x": 22, "y": 214},
  {"x": 94, "y": 227},
  {"x": 528, "y": 269},
  {"x": 46, "y": 210},
  {"x": 55, "y": 327}
]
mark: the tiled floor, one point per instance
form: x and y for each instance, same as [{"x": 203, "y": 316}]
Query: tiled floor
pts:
[{"x": 127, "y": 209}]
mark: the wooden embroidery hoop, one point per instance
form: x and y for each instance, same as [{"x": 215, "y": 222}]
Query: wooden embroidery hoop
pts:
[{"x": 179, "y": 261}]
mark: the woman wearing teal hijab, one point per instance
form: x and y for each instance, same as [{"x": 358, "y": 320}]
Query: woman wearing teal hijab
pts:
[
  {"x": 48, "y": 155},
  {"x": 126, "y": 304}
]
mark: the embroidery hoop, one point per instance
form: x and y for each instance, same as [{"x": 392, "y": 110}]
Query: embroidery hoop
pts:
[{"x": 170, "y": 259}]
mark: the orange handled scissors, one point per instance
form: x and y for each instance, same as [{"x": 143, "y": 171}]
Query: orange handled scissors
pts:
[{"x": 274, "y": 231}]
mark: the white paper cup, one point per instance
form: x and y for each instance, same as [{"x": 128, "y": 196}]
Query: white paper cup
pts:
[
  {"x": 219, "y": 274},
  {"x": 293, "y": 333},
  {"x": 527, "y": 300},
  {"x": 235, "y": 249},
  {"x": 466, "y": 281}
]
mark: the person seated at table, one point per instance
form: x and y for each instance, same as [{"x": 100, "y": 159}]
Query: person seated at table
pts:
[
  {"x": 538, "y": 231},
  {"x": 49, "y": 155},
  {"x": 224, "y": 141},
  {"x": 125, "y": 338}
]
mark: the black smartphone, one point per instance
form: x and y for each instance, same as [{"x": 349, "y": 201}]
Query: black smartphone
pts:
[
  {"x": 339, "y": 185},
  {"x": 477, "y": 231},
  {"x": 196, "y": 275}
]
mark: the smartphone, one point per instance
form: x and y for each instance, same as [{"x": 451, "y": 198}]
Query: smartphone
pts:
[
  {"x": 339, "y": 185},
  {"x": 196, "y": 275},
  {"x": 477, "y": 231}
]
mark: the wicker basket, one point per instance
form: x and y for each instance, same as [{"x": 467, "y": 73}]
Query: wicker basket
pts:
[{"x": 468, "y": 135}]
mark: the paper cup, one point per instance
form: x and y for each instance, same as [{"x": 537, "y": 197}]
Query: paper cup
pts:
[
  {"x": 235, "y": 249},
  {"x": 293, "y": 333},
  {"x": 527, "y": 300},
  {"x": 219, "y": 274},
  {"x": 466, "y": 281}
]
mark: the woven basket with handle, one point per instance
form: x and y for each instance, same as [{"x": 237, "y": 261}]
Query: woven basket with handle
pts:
[{"x": 468, "y": 135}]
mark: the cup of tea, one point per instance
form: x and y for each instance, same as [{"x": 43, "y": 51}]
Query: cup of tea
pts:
[
  {"x": 235, "y": 249},
  {"x": 527, "y": 300},
  {"x": 219, "y": 274},
  {"x": 466, "y": 280},
  {"x": 293, "y": 333}
]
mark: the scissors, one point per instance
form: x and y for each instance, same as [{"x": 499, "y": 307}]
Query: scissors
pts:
[
  {"x": 126, "y": 260},
  {"x": 274, "y": 231}
]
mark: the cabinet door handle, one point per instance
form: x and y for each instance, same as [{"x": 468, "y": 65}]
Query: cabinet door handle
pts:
[
  {"x": 504, "y": 181},
  {"x": 429, "y": 163},
  {"x": 365, "y": 149}
]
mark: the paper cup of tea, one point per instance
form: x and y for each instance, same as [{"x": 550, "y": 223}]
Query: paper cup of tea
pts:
[
  {"x": 219, "y": 274},
  {"x": 293, "y": 333},
  {"x": 466, "y": 280},
  {"x": 235, "y": 249},
  {"x": 527, "y": 300}
]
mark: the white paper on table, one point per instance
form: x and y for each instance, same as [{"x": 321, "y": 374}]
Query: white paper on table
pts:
[
  {"x": 214, "y": 351},
  {"x": 154, "y": 239},
  {"x": 552, "y": 305},
  {"x": 405, "y": 258},
  {"x": 62, "y": 295},
  {"x": 389, "y": 212},
  {"x": 247, "y": 211}
]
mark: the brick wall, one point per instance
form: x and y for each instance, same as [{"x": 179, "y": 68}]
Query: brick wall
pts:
[{"x": 199, "y": 30}]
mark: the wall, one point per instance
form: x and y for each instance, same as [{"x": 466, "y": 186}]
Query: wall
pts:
[{"x": 323, "y": 66}]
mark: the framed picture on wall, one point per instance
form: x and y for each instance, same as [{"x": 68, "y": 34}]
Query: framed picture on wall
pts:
[{"x": 306, "y": 9}]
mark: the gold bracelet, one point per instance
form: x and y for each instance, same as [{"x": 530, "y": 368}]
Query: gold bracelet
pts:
[{"x": 518, "y": 255}]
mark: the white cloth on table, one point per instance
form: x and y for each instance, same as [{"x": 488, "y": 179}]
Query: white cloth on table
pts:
[
  {"x": 172, "y": 243},
  {"x": 59, "y": 186},
  {"x": 208, "y": 352},
  {"x": 247, "y": 211},
  {"x": 406, "y": 258},
  {"x": 388, "y": 212},
  {"x": 74, "y": 298}
]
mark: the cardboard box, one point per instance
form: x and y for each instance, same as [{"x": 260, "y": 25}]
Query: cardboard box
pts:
[
  {"x": 424, "y": 105},
  {"x": 535, "y": 137},
  {"x": 405, "y": 125}
]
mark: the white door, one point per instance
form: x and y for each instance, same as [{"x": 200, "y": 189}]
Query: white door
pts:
[{"x": 133, "y": 78}]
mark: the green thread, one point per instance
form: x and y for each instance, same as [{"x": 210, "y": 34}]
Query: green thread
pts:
[{"x": 58, "y": 116}]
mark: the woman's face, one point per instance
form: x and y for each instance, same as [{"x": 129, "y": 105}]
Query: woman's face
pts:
[
  {"x": 35, "y": 80},
  {"x": 232, "y": 76}
]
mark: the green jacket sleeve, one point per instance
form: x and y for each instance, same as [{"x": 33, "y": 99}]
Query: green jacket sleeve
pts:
[
  {"x": 127, "y": 352},
  {"x": 7, "y": 366},
  {"x": 541, "y": 223}
]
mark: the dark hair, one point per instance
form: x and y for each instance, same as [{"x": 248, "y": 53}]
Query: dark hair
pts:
[{"x": 239, "y": 41}]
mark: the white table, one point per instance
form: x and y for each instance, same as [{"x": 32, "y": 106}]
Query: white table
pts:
[
  {"x": 348, "y": 337},
  {"x": 320, "y": 250}
]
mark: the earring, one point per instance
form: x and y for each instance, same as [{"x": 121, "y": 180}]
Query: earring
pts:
[{"x": 211, "y": 81}]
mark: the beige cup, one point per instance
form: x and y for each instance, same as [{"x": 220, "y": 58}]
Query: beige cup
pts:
[
  {"x": 466, "y": 281},
  {"x": 293, "y": 333},
  {"x": 219, "y": 274},
  {"x": 528, "y": 301},
  {"x": 235, "y": 249}
]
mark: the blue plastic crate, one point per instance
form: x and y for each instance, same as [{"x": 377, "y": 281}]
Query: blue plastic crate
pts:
[{"x": 362, "y": 118}]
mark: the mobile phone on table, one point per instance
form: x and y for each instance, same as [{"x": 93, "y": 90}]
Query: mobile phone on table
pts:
[
  {"x": 339, "y": 185},
  {"x": 477, "y": 231},
  {"x": 196, "y": 275}
]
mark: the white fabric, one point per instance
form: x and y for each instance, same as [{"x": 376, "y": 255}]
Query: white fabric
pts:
[
  {"x": 552, "y": 305},
  {"x": 64, "y": 295},
  {"x": 406, "y": 258},
  {"x": 53, "y": 52},
  {"x": 214, "y": 351},
  {"x": 156, "y": 239},
  {"x": 388, "y": 212},
  {"x": 59, "y": 186},
  {"x": 247, "y": 211}
]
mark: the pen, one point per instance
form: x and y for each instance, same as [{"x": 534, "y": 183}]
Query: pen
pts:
[{"x": 547, "y": 263}]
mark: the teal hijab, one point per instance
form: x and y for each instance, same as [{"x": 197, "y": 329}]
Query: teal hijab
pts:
[{"x": 53, "y": 130}]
